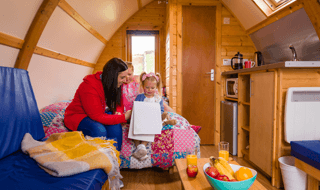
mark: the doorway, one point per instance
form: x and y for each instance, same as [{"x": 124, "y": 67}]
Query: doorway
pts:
[{"x": 198, "y": 58}]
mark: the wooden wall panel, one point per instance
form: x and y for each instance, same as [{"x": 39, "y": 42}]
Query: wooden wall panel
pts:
[
  {"x": 150, "y": 17},
  {"x": 234, "y": 39}
]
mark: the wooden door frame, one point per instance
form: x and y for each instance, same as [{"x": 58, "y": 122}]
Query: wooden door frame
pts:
[
  {"x": 217, "y": 69},
  {"x": 156, "y": 50}
]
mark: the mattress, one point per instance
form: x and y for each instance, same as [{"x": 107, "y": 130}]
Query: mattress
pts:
[
  {"x": 307, "y": 151},
  {"x": 19, "y": 171}
]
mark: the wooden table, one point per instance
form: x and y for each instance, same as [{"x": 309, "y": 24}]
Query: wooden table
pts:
[
  {"x": 200, "y": 181},
  {"x": 312, "y": 173}
]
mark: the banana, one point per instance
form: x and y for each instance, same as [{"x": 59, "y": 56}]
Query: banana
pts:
[
  {"x": 222, "y": 166},
  {"x": 225, "y": 164}
]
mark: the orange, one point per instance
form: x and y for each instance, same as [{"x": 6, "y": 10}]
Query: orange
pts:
[{"x": 243, "y": 173}]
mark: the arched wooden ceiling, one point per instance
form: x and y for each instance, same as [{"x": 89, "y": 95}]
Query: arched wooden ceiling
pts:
[{"x": 101, "y": 18}]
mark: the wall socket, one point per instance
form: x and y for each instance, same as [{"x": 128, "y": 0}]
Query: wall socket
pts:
[{"x": 228, "y": 61}]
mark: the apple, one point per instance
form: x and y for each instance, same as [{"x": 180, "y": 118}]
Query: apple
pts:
[
  {"x": 212, "y": 172},
  {"x": 222, "y": 178},
  {"x": 192, "y": 170},
  {"x": 232, "y": 180}
]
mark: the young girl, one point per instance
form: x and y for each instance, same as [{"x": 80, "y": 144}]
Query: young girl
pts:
[{"x": 151, "y": 84}]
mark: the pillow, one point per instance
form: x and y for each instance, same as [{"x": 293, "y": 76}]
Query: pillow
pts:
[
  {"x": 182, "y": 123},
  {"x": 196, "y": 128},
  {"x": 47, "y": 117},
  {"x": 57, "y": 125}
]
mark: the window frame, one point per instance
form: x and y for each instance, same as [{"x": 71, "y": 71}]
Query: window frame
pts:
[
  {"x": 275, "y": 5},
  {"x": 155, "y": 33},
  {"x": 269, "y": 7}
]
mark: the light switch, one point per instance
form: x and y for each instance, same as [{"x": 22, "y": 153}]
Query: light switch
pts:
[{"x": 226, "y": 20}]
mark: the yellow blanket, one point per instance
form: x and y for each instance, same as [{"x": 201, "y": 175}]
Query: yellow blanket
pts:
[{"x": 69, "y": 153}]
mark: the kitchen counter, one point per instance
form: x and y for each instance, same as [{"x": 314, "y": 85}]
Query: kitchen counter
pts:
[
  {"x": 281, "y": 65},
  {"x": 262, "y": 92}
]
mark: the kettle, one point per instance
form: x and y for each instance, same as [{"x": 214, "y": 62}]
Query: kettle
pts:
[
  {"x": 237, "y": 61},
  {"x": 258, "y": 58}
]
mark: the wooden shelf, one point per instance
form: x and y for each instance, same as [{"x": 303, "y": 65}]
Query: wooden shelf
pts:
[
  {"x": 245, "y": 128},
  {"x": 232, "y": 99},
  {"x": 245, "y": 103}
]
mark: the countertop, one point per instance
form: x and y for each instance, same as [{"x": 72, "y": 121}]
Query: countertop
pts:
[{"x": 280, "y": 65}]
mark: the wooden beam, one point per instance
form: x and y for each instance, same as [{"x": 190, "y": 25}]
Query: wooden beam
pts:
[
  {"x": 139, "y": 4},
  {"x": 71, "y": 12},
  {"x": 179, "y": 59},
  {"x": 14, "y": 42},
  {"x": 199, "y": 2},
  {"x": 59, "y": 56},
  {"x": 31, "y": 40},
  {"x": 10, "y": 41},
  {"x": 217, "y": 76},
  {"x": 280, "y": 14},
  {"x": 312, "y": 8}
]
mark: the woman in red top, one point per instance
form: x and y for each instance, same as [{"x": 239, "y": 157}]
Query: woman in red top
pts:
[{"x": 97, "y": 108}]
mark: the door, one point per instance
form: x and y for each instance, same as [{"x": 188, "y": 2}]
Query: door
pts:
[
  {"x": 198, "y": 58},
  {"x": 262, "y": 120}
]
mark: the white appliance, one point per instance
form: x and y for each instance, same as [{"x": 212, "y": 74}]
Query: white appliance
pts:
[
  {"x": 302, "y": 114},
  {"x": 232, "y": 87},
  {"x": 229, "y": 125}
]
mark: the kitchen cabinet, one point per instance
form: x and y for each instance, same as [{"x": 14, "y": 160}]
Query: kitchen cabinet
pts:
[
  {"x": 261, "y": 120},
  {"x": 261, "y": 108}
]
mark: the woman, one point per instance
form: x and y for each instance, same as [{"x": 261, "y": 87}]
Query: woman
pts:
[{"x": 97, "y": 108}]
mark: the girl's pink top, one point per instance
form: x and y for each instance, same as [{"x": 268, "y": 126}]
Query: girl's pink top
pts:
[{"x": 129, "y": 93}]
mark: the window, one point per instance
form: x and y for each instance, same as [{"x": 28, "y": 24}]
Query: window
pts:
[
  {"x": 268, "y": 7},
  {"x": 143, "y": 50},
  {"x": 274, "y": 4}
]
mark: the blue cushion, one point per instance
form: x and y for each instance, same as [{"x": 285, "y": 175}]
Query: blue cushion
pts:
[
  {"x": 19, "y": 171},
  {"x": 307, "y": 151},
  {"x": 19, "y": 112}
]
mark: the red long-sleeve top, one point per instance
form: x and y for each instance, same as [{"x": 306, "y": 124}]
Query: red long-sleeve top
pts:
[{"x": 89, "y": 101}]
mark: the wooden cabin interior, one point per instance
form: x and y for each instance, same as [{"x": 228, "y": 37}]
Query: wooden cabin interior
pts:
[{"x": 59, "y": 42}]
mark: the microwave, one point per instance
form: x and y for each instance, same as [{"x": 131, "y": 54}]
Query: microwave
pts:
[{"x": 232, "y": 87}]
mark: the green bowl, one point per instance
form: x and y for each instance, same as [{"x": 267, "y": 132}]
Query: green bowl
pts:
[{"x": 226, "y": 185}]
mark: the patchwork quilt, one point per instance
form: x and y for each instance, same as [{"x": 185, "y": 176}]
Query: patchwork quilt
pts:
[{"x": 171, "y": 144}]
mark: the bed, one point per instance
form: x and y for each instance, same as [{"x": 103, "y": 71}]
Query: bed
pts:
[{"x": 171, "y": 144}]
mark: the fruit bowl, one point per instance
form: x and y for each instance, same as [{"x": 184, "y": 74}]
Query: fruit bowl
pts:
[{"x": 226, "y": 185}]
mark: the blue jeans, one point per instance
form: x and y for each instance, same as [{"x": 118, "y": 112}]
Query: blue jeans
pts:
[{"x": 95, "y": 129}]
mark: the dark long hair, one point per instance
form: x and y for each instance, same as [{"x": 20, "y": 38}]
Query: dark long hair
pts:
[{"x": 110, "y": 81}]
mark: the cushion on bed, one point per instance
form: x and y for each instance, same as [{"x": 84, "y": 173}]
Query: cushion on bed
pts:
[
  {"x": 196, "y": 128},
  {"x": 18, "y": 111},
  {"x": 307, "y": 151},
  {"x": 19, "y": 171}
]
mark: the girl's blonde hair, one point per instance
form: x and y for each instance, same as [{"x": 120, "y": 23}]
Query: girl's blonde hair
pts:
[
  {"x": 129, "y": 64},
  {"x": 151, "y": 77}
]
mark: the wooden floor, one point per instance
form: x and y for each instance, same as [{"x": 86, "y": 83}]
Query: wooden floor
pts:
[{"x": 157, "y": 179}]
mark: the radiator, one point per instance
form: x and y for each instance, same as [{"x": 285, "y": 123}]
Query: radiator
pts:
[{"x": 302, "y": 114}]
